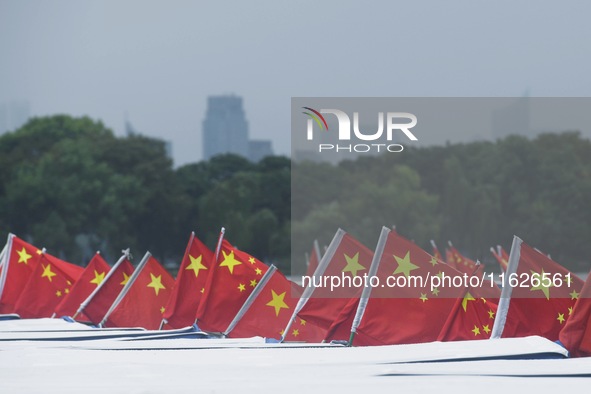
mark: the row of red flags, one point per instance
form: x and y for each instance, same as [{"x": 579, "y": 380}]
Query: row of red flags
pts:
[{"x": 212, "y": 291}]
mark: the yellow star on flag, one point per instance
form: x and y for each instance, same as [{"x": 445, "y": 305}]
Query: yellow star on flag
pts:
[
  {"x": 302, "y": 322},
  {"x": 251, "y": 260},
  {"x": 259, "y": 271},
  {"x": 433, "y": 261},
  {"x": 229, "y": 261},
  {"x": 491, "y": 314},
  {"x": 486, "y": 328},
  {"x": 277, "y": 302},
  {"x": 156, "y": 283},
  {"x": 162, "y": 310},
  {"x": 423, "y": 297},
  {"x": 353, "y": 264},
  {"x": 253, "y": 283},
  {"x": 404, "y": 265},
  {"x": 544, "y": 285},
  {"x": 435, "y": 291},
  {"x": 476, "y": 330},
  {"x": 241, "y": 287},
  {"x": 58, "y": 293},
  {"x": 574, "y": 295},
  {"x": 202, "y": 290},
  {"x": 295, "y": 332},
  {"x": 196, "y": 265},
  {"x": 467, "y": 297},
  {"x": 47, "y": 273},
  {"x": 67, "y": 291},
  {"x": 570, "y": 310},
  {"x": 125, "y": 279},
  {"x": 23, "y": 256},
  {"x": 560, "y": 318},
  {"x": 98, "y": 278}
]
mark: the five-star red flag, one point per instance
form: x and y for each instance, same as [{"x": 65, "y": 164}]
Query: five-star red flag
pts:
[
  {"x": 145, "y": 300},
  {"x": 228, "y": 285},
  {"x": 271, "y": 310},
  {"x": 108, "y": 291},
  {"x": 93, "y": 275},
  {"x": 539, "y": 304},
  {"x": 472, "y": 317},
  {"x": 190, "y": 284},
  {"x": 22, "y": 261},
  {"x": 576, "y": 334},
  {"x": 463, "y": 263},
  {"x": 51, "y": 280},
  {"x": 350, "y": 260},
  {"x": 413, "y": 313}
]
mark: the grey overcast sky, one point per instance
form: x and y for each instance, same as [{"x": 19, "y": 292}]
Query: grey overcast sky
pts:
[{"x": 158, "y": 61}]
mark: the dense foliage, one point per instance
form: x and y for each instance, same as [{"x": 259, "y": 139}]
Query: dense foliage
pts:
[{"x": 72, "y": 186}]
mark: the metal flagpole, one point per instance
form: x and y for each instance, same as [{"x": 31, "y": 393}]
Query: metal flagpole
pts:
[
  {"x": 328, "y": 255},
  {"x": 127, "y": 286},
  {"x": 2, "y": 254},
  {"x": 5, "y": 260},
  {"x": 100, "y": 286},
  {"x": 251, "y": 298},
  {"x": 505, "y": 300},
  {"x": 373, "y": 269}
]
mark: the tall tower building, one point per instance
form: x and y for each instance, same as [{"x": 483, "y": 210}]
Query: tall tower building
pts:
[{"x": 225, "y": 129}]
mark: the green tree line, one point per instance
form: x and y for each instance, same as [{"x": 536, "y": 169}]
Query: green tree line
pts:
[
  {"x": 477, "y": 195},
  {"x": 72, "y": 186}
]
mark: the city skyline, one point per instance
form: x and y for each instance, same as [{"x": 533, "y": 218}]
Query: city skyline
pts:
[{"x": 158, "y": 62}]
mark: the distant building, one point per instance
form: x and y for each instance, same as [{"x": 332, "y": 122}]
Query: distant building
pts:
[
  {"x": 225, "y": 130},
  {"x": 13, "y": 115},
  {"x": 258, "y": 149}
]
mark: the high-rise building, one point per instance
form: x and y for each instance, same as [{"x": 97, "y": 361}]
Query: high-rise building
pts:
[{"x": 225, "y": 130}]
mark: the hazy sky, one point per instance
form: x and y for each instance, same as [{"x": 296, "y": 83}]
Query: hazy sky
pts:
[{"x": 159, "y": 60}]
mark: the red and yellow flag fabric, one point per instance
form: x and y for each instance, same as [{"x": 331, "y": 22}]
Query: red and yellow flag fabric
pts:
[
  {"x": 462, "y": 263},
  {"x": 108, "y": 291},
  {"x": 313, "y": 261},
  {"x": 540, "y": 303},
  {"x": 576, "y": 333},
  {"x": 145, "y": 301},
  {"x": 190, "y": 284},
  {"x": 49, "y": 283},
  {"x": 229, "y": 283},
  {"x": 91, "y": 277},
  {"x": 351, "y": 260},
  {"x": 22, "y": 260},
  {"x": 271, "y": 310},
  {"x": 502, "y": 259},
  {"x": 408, "y": 311}
]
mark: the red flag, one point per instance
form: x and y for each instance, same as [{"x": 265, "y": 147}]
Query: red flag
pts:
[
  {"x": 108, "y": 291},
  {"x": 93, "y": 275},
  {"x": 576, "y": 334},
  {"x": 412, "y": 313},
  {"x": 540, "y": 305},
  {"x": 271, "y": 310},
  {"x": 190, "y": 284},
  {"x": 145, "y": 300},
  {"x": 350, "y": 260},
  {"x": 462, "y": 263},
  {"x": 472, "y": 317},
  {"x": 50, "y": 282},
  {"x": 22, "y": 259},
  {"x": 228, "y": 285}
]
